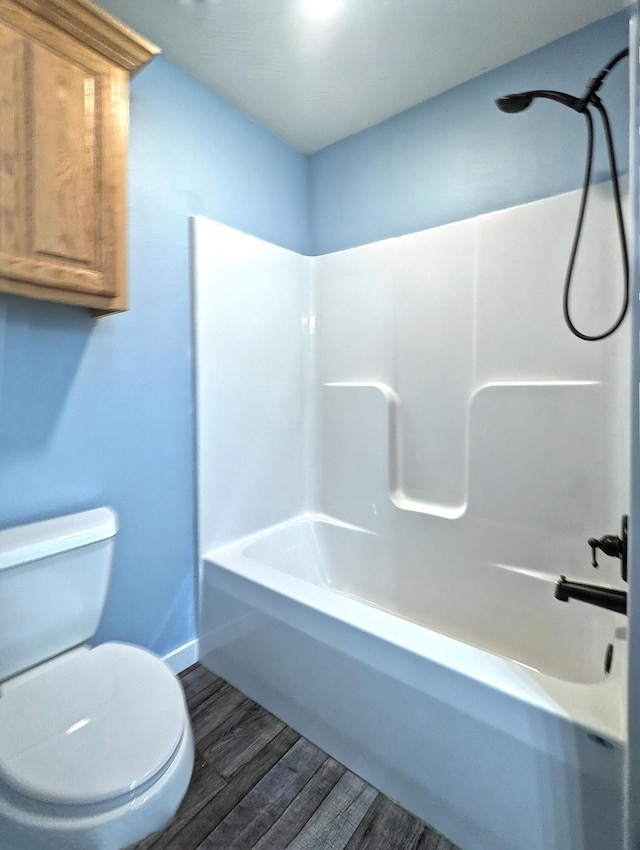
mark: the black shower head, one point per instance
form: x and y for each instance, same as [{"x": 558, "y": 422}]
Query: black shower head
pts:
[
  {"x": 518, "y": 102},
  {"x": 514, "y": 102}
]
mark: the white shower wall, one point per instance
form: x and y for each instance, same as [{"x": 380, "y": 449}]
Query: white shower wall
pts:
[
  {"x": 251, "y": 321},
  {"x": 423, "y": 387}
]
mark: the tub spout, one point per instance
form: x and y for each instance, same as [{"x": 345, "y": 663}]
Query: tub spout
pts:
[{"x": 603, "y": 597}]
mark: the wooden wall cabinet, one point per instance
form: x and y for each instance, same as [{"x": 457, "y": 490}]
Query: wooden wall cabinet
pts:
[{"x": 64, "y": 109}]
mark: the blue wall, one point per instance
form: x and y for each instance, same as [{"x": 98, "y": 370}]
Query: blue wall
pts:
[
  {"x": 99, "y": 411},
  {"x": 457, "y": 156}
]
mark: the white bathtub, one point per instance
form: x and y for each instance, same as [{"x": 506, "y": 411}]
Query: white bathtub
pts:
[{"x": 495, "y": 723}]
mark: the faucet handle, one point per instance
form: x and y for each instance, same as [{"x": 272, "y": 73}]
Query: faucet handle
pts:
[{"x": 612, "y": 545}]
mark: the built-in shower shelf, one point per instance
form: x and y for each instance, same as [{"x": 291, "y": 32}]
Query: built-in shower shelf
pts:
[
  {"x": 392, "y": 448},
  {"x": 513, "y": 427}
]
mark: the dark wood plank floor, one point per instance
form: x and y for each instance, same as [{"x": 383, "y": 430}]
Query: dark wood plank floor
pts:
[{"x": 258, "y": 785}]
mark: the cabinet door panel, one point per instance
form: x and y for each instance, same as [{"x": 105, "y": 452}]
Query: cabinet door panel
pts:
[{"x": 63, "y": 147}]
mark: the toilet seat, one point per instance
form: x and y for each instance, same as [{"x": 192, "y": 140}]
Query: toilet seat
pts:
[{"x": 91, "y": 728}]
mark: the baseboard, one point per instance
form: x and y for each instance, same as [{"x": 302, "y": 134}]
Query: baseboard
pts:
[{"x": 182, "y": 657}]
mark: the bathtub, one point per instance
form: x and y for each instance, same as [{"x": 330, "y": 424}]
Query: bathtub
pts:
[{"x": 495, "y": 723}]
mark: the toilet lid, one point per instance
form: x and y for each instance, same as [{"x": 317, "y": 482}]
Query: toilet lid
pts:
[{"x": 92, "y": 727}]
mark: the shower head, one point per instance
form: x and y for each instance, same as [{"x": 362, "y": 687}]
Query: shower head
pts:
[{"x": 512, "y": 103}]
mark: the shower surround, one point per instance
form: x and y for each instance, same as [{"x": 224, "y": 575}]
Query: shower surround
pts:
[{"x": 400, "y": 449}]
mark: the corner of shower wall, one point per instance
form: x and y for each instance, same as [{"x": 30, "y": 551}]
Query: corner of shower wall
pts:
[{"x": 252, "y": 325}]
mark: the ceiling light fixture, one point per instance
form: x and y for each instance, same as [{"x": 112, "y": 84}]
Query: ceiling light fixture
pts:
[{"x": 322, "y": 10}]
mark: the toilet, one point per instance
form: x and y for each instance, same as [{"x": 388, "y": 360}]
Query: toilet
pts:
[{"x": 96, "y": 749}]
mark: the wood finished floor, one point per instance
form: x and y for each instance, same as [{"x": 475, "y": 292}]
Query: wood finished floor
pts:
[{"x": 258, "y": 785}]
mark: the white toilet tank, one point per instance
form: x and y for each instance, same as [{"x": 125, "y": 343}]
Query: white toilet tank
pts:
[{"x": 54, "y": 577}]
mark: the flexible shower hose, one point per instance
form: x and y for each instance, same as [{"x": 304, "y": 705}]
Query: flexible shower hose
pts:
[
  {"x": 590, "y": 98},
  {"x": 597, "y": 103}
]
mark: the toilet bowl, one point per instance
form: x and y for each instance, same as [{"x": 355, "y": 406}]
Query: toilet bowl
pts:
[{"x": 96, "y": 749}]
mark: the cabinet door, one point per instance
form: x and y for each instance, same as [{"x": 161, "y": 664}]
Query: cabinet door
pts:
[{"x": 63, "y": 113}]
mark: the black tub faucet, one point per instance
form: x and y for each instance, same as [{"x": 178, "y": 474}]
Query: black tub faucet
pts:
[{"x": 603, "y": 597}]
